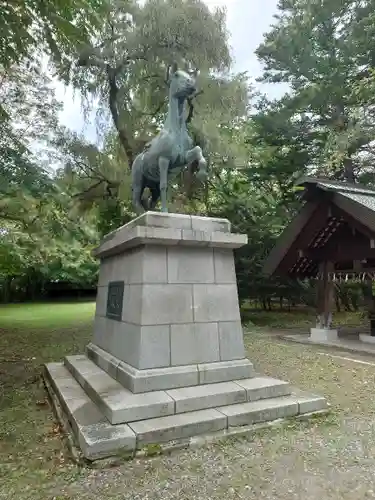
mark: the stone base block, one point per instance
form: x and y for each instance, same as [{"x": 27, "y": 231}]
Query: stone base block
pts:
[
  {"x": 174, "y": 377},
  {"x": 120, "y": 405},
  {"x": 367, "y": 339},
  {"x": 323, "y": 335},
  {"x": 89, "y": 397}
]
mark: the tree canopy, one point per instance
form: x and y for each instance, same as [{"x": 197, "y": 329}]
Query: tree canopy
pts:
[{"x": 59, "y": 193}]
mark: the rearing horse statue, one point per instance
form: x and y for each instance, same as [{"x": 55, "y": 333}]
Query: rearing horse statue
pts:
[{"x": 171, "y": 150}]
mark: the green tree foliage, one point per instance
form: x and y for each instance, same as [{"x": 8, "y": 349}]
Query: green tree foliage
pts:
[
  {"x": 125, "y": 68},
  {"x": 322, "y": 50},
  {"x": 95, "y": 178},
  {"x": 43, "y": 241},
  {"x": 57, "y": 27},
  {"x": 29, "y": 113},
  {"x": 256, "y": 148}
]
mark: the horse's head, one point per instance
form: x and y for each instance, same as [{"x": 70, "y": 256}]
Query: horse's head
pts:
[{"x": 182, "y": 84}]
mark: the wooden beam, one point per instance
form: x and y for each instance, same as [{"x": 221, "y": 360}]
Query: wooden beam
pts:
[
  {"x": 287, "y": 238},
  {"x": 342, "y": 252},
  {"x": 337, "y": 211},
  {"x": 316, "y": 222}
]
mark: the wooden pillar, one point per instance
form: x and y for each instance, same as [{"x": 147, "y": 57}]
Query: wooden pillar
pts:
[
  {"x": 325, "y": 296},
  {"x": 371, "y": 312}
]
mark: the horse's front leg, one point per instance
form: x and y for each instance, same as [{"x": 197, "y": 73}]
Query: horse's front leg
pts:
[
  {"x": 196, "y": 154},
  {"x": 163, "y": 170}
]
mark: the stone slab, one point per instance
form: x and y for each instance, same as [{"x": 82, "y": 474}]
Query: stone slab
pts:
[
  {"x": 157, "y": 379},
  {"x": 146, "y": 265},
  {"x": 207, "y": 396},
  {"x": 210, "y": 224},
  {"x": 184, "y": 425},
  {"x": 224, "y": 266},
  {"x": 215, "y": 302},
  {"x": 139, "y": 381},
  {"x": 174, "y": 377},
  {"x": 231, "y": 340},
  {"x": 154, "y": 347},
  {"x": 353, "y": 344},
  {"x": 103, "y": 359},
  {"x": 95, "y": 436},
  {"x": 367, "y": 339},
  {"x": 194, "y": 343},
  {"x": 219, "y": 239},
  {"x": 225, "y": 371},
  {"x": 260, "y": 411},
  {"x": 86, "y": 367},
  {"x": 118, "y": 404},
  {"x": 309, "y": 403},
  {"x": 132, "y": 236},
  {"x": 177, "y": 221},
  {"x": 166, "y": 304},
  {"x": 190, "y": 265},
  {"x": 264, "y": 387}
]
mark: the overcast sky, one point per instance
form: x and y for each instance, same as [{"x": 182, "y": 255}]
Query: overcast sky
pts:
[{"x": 247, "y": 21}]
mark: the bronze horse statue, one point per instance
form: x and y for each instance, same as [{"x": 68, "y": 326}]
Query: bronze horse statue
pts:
[{"x": 171, "y": 150}]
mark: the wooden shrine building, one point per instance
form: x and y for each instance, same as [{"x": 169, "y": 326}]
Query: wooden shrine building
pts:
[{"x": 331, "y": 238}]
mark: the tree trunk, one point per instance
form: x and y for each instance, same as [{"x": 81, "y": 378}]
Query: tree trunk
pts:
[
  {"x": 6, "y": 295},
  {"x": 112, "y": 101}
]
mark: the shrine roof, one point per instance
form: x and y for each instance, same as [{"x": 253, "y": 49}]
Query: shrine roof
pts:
[{"x": 331, "y": 212}]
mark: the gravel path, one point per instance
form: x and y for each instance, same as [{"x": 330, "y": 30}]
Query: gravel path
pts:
[{"x": 325, "y": 458}]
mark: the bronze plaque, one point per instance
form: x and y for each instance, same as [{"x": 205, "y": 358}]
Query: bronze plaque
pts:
[{"x": 114, "y": 300}]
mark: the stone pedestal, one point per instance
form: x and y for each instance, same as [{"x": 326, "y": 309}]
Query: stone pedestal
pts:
[
  {"x": 167, "y": 359},
  {"x": 323, "y": 335},
  {"x": 167, "y": 305}
]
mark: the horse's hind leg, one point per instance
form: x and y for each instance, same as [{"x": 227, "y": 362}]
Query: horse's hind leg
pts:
[
  {"x": 137, "y": 200},
  {"x": 155, "y": 195},
  {"x": 137, "y": 186},
  {"x": 163, "y": 170}
]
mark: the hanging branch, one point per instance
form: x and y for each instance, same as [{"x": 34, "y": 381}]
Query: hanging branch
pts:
[{"x": 90, "y": 59}]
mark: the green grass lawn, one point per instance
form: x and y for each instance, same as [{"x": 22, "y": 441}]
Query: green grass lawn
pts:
[
  {"x": 46, "y": 315},
  {"x": 33, "y": 463},
  {"x": 30, "y": 445},
  {"x": 302, "y": 318}
]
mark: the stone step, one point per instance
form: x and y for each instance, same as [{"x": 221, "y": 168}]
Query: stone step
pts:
[
  {"x": 94, "y": 435},
  {"x": 227, "y": 393},
  {"x": 175, "y": 427},
  {"x": 266, "y": 410},
  {"x": 120, "y": 405},
  {"x": 186, "y": 425},
  {"x": 260, "y": 411},
  {"x": 98, "y": 438}
]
